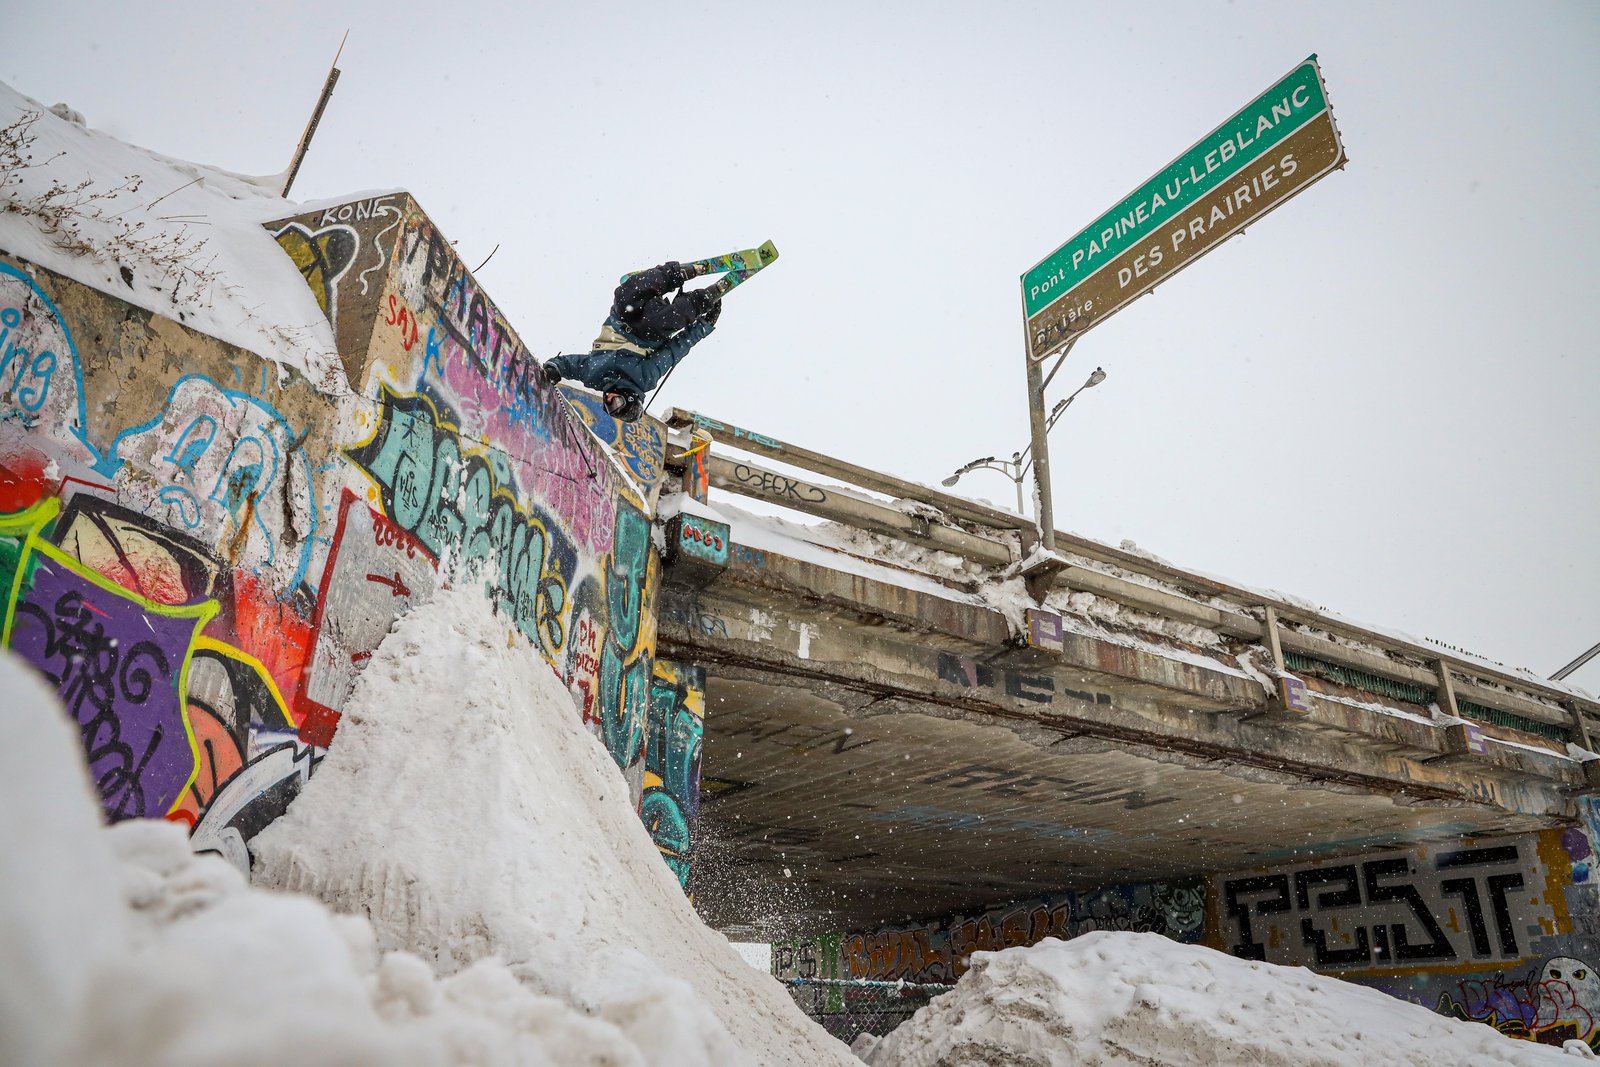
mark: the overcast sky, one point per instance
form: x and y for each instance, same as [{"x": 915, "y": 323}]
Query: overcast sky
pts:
[{"x": 1381, "y": 398}]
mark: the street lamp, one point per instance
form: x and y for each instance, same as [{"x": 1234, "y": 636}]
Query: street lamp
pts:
[
  {"x": 1016, "y": 468},
  {"x": 1012, "y": 468}
]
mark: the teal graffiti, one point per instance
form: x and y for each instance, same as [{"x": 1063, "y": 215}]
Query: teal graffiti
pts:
[
  {"x": 27, "y": 378},
  {"x": 673, "y": 754},
  {"x": 664, "y": 819},
  {"x": 193, "y": 471},
  {"x": 624, "y": 683},
  {"x": 465, "y": 515}
]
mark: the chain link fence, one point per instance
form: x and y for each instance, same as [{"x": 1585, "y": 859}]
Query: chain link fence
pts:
[{"x": 848, "y": 1008}]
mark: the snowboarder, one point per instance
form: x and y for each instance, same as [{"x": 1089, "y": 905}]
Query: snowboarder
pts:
[{"x": 644, "y": 337}]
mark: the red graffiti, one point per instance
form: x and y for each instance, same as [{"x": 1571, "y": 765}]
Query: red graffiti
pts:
[
  {"x": 271, "y": 630},
  {"x": 400, "y": 315},
  {"x": 396, "y": 585},
  {"x": 319, "y": 725},
  {"x": 705, "y": 537},
  {"x": 22, "y": 480},
  {"x": 386, "y": 533},
  {"x": 220, "y": 760},
  {"x": 584, "y": 654}
]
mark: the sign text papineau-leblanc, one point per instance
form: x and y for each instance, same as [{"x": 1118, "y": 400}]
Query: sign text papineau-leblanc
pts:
[{"x": 1272, "y": 148}]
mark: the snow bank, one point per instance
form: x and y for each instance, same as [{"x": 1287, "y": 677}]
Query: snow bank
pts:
[
  {"x": 464, "y": 809},
  {"x": 1108, "y": 999},
  {"x": 58, "y": 921},
  {"x": 175, "y": 238},
  {"x": 121, "y": 946}
]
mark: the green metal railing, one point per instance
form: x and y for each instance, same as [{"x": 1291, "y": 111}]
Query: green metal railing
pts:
[
  {"x": 1416, "y": 694},
  {"x": 1511, "y": 719},
  {"x": 1357, "y": 679}
]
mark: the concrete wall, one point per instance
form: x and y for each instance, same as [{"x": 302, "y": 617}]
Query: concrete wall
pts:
[
  {"x": 1504, "y": 931},
  {"x": 200, "y": 548}
]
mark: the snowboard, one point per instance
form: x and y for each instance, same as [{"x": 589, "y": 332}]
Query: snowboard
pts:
[{"x": 748, "y": 260}]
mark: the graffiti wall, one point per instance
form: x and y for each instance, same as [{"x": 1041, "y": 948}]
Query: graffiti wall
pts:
[
  {"x": 671, "y": 804},
  {"x": 1503, "y": 931},
  {"x": 1499, "y": 931},
  {"x": 941, "y": 950},
  {"x": 201, "y": 549},
  {"x": 929, "y": 956}
]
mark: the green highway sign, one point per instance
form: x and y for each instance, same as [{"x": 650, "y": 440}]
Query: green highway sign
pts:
[{"x": 1272, "y": 148}]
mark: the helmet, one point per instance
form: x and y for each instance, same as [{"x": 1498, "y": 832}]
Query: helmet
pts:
[{"x": 624, "y": 406}]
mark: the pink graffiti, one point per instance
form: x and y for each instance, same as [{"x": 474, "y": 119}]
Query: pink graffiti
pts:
[
  {"x": 559, "y": 478},
  {"x": 555, "y": 474}
]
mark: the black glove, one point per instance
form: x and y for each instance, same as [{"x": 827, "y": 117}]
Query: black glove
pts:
[
  {"x": 675, "y": 274},
  {"x": 710, "y": 310},
  {"x": 550, "y": 374}
]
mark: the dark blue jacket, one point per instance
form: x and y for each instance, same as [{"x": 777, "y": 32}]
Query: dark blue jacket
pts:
[{"x": 623, "y": 371}]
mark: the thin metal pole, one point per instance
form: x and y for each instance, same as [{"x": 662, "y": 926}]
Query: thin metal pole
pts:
[{"x": 1044, "y": 507}]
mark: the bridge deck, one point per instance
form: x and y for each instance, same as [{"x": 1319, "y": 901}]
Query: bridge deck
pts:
[{"x": 880, "y": 744}]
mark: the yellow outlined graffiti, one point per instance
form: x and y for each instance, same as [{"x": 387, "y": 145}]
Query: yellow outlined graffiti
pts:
[
  {"x": 32, "y": 544},
  {"x": 210, "y": 644}
]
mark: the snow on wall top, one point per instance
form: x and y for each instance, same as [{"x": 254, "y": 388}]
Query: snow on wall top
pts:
[{"x": 178, "y": 239}]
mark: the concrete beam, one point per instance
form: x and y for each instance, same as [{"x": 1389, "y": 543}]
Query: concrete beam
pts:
[
  {"x": 770, "y": 578},
  {"x": 877, "y": 482},
  {"x": 1446, "y": 692},
  {"x": 852, "y": 509},
  {"x": 752, "y": 635},
  {"x": 1158, "y": 602},
  {"x": 1238, "y": 624},
  {"x": 1232, "y": 623},
  {"x": 1512, "y": 702},
  {"x": 1359, "y": 658}
]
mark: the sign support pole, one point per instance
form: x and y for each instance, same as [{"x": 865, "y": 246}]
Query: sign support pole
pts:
[{"x": 1043, "y": 506}]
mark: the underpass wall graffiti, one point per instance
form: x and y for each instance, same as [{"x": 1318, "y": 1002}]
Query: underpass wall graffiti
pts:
[
  {"x": 201, "y": 548},
  {"x": 941, "y": 950},
  {"x": 1503, "y": 931},
  {"x": 1500, "y": 931}
]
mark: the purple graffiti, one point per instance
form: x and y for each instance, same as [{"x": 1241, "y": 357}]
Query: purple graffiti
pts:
[
  {"x": 117, "y": 669},
  {"x": 1576, "y": 842},
  {"x": 1498, "y": 1000}
]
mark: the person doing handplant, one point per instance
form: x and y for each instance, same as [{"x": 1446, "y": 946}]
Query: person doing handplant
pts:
[{"x": 652, "y": 326}]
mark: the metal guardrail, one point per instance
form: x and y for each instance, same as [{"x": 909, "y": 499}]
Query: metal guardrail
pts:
[{"x": 996, "y": 538}]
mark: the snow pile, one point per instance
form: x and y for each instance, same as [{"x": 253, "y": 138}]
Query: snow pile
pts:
[
  {"x": 463, "y": 794},
  {"x": 175, "y": 238},
  {"x": 463, "y": 808},
  {"x": 121, "y": 946},
  {"x": 892, "y": 563},
  {"x": 1108, "y": 999}
]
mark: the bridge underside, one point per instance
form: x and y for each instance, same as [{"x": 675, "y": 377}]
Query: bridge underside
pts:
[
  {"x": 830, "y": 811},
  {"x": 860, "y": 770}
]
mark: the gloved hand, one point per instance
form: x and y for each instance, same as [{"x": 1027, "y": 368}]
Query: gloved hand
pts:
[{"x": 710, "y": 310}]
